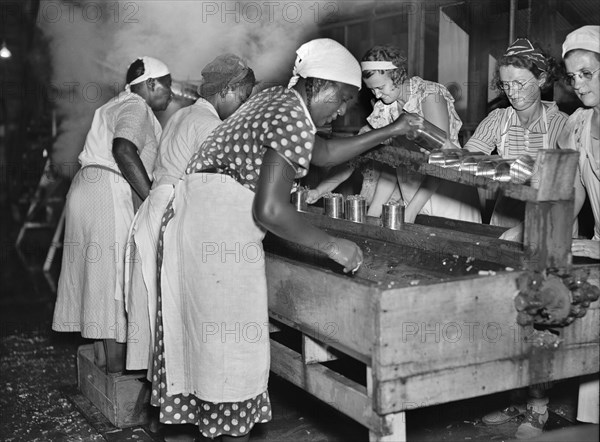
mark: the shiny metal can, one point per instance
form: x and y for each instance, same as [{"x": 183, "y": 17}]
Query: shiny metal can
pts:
[
  {"x": 334, "y": 205},
  {"x": 299, "y": 199},
  {"x": 356, "y": 208},
  {"x": 392, "y": 215}
]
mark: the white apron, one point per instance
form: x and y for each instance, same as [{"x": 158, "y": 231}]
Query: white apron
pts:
[
  {"x": 141, "y": 277},
  {"x": 214, "y": 292},
  {"x": 509, "y": 212}
]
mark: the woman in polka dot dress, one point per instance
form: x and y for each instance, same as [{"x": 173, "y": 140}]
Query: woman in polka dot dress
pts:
[{"x": 211, "y": 355}]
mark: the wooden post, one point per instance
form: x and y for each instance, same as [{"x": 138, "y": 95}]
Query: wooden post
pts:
[
  {"x": 478, "y": 60},
  {"x": 549, "y": 220},
  {"x": 396, "y": 422},
  {"x": 416, "y": 40}
]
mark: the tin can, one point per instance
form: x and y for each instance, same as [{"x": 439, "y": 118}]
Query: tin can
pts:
[
  {"x": 299, "y": 199},
  {"x": 356, "y": 208},
  {"x": 334, "y": 205},
  {"x": 522, "y": 169},
  {"x": 392, "y": 215}
]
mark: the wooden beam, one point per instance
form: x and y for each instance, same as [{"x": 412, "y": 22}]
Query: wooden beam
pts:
[
  {"x": 315, "y": 352},
  {"x": 416, "y": 39},
  {"x": 398, "y": 155},
  {"x": 325, "y": 384},
  {"x": 478, "y": 17}
]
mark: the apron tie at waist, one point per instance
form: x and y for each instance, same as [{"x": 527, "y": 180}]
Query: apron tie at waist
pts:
[{"x": 100, "y": 166}]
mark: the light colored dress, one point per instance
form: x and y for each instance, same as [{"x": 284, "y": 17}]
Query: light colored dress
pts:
[
  {"x": 577, "y": 136},
  {"x": 99, "y": 212},
  {"x": 502, "y": 130},
  {"x": 451, "y": 200},
  {"x": 183, "y": 135}
]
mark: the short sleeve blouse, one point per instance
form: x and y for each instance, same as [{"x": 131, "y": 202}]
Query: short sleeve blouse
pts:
[{"x": 275, "y": 118}]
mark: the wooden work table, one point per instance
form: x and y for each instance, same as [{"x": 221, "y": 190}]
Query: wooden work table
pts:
[{"x": 430, "y": 316}]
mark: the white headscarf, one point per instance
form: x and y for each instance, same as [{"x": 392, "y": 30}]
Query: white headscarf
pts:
[
  {"x": 326, "y": 59},
  {"x": 586, "y": 37},
  {"x": 153, "y": 68}
]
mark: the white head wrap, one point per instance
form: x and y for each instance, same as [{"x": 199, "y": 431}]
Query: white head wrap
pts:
[
  {"x": 326, "y": 59},
  {"x": 377, "y": 65},
  {"x": 153, "y": 68},
  {"x": 586, "y": 37}
]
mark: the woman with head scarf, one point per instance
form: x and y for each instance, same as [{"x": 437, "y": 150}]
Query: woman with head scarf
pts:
[
  {"x": 581, "y": 52},
  {"x": 527, "y": 125},
  {"x": 384, "y": 72},
  {"x": 117, "y": 162},
  {"x": 227, "y": 82},
  {"x": 211, "y": 354}
]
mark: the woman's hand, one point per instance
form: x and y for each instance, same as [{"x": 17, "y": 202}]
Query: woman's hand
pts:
[
  {"x": 312, "y": 196},
  {"x": 586, "y": 247},
  {"x": 346, "y": 253},
  {"x": 405, "y": 123}
]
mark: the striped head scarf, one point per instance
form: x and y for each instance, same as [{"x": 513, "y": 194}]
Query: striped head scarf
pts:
[{"x": 522, "y": 47}]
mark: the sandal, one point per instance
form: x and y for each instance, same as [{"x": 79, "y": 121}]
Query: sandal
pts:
[{"x": 503, "y": 416}]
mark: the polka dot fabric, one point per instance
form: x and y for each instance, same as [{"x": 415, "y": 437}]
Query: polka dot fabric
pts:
[
  {"x": 213, "y": 420},
  {"x": 275, "y": 118}
]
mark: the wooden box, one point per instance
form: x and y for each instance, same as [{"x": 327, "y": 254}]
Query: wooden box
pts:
[{"x": 123, "y": 399}]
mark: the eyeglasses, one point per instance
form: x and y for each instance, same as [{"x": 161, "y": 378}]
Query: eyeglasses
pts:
[
  {"x": 514, "y": 85},
  {"x": 583, "y": 74}
]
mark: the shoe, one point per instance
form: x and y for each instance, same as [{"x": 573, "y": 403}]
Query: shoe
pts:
[
  {"x": 533, "y": 424},
  {"x": 503, "y": 416}
]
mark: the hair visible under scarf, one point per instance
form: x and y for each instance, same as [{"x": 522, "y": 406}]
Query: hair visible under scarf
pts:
[{"x": 522, "y": 47}]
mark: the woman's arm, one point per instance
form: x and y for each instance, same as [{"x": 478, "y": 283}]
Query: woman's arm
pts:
[
  {"x": 130, "y": 165},
  {"x": 336, "y": 176},
  {"x": 435, "y": 110},
  {"x": 273, "y": 211},
  {"x": 331, "y": 152}
]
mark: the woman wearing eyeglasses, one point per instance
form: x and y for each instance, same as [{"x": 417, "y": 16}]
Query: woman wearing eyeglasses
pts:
[
  {"x": 527, "y": 125},
  {"x": 581, "y": 52}
]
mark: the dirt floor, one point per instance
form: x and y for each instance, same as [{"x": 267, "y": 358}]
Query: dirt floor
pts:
[{"x": 40, "y": 400}]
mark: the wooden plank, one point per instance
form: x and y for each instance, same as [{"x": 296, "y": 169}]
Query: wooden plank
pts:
[
  {"x": 460, "y": 226},
  {"x": 458, "y": 383},
  {"x": 459, "y": 323},
  {"x": 331, "y": 308},
  {"x": 397, "y": 155},
  {"x": 438, "y": 241},
  {"x": 315, "y": 352},
  {"x": 449, "y": 325},
  {"x": 325, "y": 384}
]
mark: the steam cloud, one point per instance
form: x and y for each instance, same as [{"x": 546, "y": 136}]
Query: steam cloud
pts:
[{"x": 93, "y": 42}]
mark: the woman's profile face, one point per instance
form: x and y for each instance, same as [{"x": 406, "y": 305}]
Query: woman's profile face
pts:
[
  {"x": 161, "y": 95},
  {"x": 331, "y": 101},
  {"x": 520, "y": 86},
  {"x": 584, "y": 76},
  {"x": 383, "y": 87}
]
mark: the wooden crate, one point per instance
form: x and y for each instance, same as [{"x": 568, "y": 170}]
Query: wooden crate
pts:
[{"x": 123, "y": 399}]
